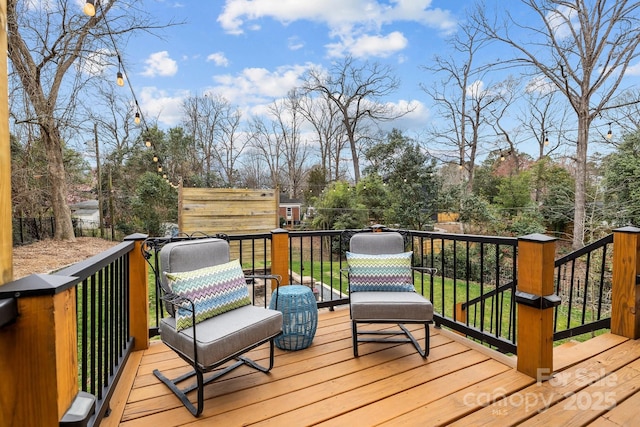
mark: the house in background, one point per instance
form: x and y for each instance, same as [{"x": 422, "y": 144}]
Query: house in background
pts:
[
  {"x": 87, "y": 214},
  {"x": 290, "y": 210}
]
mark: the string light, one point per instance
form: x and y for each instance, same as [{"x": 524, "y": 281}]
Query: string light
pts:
[
  {"x": 89, "y": 8},
  {"x": 546, "y": 139},
  {"x": 609, "y": 133}
]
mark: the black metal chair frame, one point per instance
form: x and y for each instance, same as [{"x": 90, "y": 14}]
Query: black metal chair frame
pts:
[
  {"x": 199, "y": 370},
  {"x": 359, "y": 336}
]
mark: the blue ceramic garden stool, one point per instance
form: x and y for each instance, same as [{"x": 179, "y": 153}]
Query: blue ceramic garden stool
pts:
[{"x": 299, "y": 316}]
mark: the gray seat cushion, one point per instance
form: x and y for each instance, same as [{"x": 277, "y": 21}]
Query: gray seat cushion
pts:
[
  {"x": 223, "y": 335},
  {"x": 396, "y": 306}
]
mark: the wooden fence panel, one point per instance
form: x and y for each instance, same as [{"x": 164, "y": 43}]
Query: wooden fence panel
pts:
[{"x": 230, "y": 211}]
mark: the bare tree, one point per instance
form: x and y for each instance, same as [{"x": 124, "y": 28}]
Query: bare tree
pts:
[
  {"x": 116, "y": 128},
  {"x": 324, "y": 116},
  {"x": 584, "y": 49},
  {"x": 544, "y": 118},
  {"x": 357, "y": 90},
  {"x": 461, "y": 99},
  {"x": 232, "y": 145},
  {"x": 44, "y": 44},
  {"x": 268, "y": 147},
  {"x": 205, "y": 118},
  {"x": 287, "y": 120}
]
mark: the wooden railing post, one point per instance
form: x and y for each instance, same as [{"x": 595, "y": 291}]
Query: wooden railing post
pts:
[
  {"x": 625, "y": 295},
  {"x": 535, "y": 297},
  {"x": 280, "y": 255},
  {"x": 138, "y": 294},
  {"x": 6, "y": 229},
  {"x": 39, "y": 353}
]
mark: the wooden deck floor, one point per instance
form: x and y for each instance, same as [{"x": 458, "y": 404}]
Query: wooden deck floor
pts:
[{"x": 596, "y": 383}]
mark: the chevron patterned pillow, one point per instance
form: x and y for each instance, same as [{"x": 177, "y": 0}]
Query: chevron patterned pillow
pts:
[
  {"x": 384, "y": 272},
  {"x": 213, "y": 290}
]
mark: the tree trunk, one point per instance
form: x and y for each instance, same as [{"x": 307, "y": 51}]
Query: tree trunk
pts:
[
  {"x": 581, "y": 181},
  {"x": 61, "y": 211}
]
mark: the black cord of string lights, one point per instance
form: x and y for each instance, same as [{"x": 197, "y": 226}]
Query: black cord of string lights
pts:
[{"x": 90, "y": 10}]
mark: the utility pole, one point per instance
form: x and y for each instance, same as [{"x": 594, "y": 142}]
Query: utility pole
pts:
[
  {"x": 111, "y": 209},
  {"x": 95, "y": 136}
]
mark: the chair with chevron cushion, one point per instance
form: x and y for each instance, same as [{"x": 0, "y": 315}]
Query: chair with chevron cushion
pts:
[
  {"x": 381, "y": 290},
  {"x": 212, "y": 320}
]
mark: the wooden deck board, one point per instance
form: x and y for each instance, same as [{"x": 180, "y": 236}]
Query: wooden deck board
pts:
[{"x": 388, "y": 384}]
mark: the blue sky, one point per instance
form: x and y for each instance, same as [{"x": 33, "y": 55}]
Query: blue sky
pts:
[{"x": 253, "y": 51}]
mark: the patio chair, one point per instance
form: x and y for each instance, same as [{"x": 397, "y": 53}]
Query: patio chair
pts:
[
  {"x": 381, "y": 290},
  {"x": 205, "y": 289}
]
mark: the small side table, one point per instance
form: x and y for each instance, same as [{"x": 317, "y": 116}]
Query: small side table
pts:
[{"x": 299, "y": 316}]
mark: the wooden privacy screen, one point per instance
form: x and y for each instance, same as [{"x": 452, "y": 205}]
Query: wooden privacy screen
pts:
[{"x": 230, "y": 211}]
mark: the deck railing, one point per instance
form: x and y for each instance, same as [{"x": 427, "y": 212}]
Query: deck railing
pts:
[
  {"x": 70, "y": 342},
  {"x": 474, "y": 293},
  {"x": 583, "y": 282},
  {"x": 103, "y": 323}
]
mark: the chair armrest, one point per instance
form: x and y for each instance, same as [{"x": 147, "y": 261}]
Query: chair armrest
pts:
[
  {"x": 177, "y": 300},
  {"x": 275, "y": 277},
  {"x": 428, "y": 270},
  {"x": 265, "y": 277}
]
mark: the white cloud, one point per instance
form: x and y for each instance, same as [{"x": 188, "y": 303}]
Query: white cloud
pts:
[
  {"x": 258, "y": 85},
  {"x": 96, "y": 63},
  {"x": 369, "y": 46},
  {"x": 219, "y": 59},
  {"x": 416, "y": 118},
  {"x": 633, "y": 70},
  {"x": 476, "y": 89},
  {"x": 540, "y": 84},
  {"x": 160, "y": 64},
  {"x": 294, "y": 43},
  {"x": 351, "y": 21},
  {"x": 158, "y": 104},
  {"x": 334, "y": 13},
  {"x": 562, "y": 20}
]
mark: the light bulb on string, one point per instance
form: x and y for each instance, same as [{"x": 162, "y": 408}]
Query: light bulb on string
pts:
[
  {"x": 120, "y": 79},
  {"x": 546, "y": 139},
  {"x": 609, "y": 133},
  {"x": 136, "y": 118},
  {"x": 89, "y": 8},
  {"x": 155, "y": 159},
  {"x": 147, "y": 143},
  {"x": 159, "y": 168}
]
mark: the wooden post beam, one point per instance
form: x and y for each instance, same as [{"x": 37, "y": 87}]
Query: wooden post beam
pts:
[
  {"x": 6, "y": 229},
  {"x": 39, "y": 355},
  {"x": 280, "y": 255},
  {"x": 625, "y": 292},
  {"x": 535, "y": 297},
  {"x": 138, "y": 294}
]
